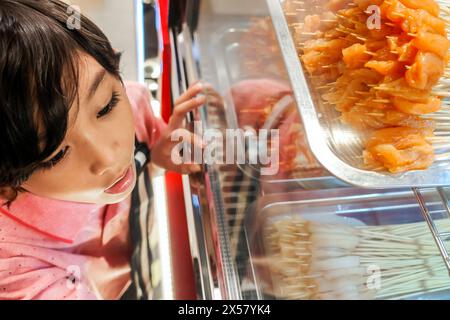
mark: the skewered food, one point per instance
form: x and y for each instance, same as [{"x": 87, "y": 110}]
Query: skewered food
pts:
[
  {"x": 399, "y": 149},
  {"x": 318, "y": 260},
  {"x": 363, "y": 117},
  {"x": 380, "y": 79}
]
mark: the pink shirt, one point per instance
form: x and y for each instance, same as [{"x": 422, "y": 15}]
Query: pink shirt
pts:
[{"x": 51, "y": 249}]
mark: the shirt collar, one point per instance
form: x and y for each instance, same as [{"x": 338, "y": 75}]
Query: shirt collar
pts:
[{"x": 57, "y": 219}]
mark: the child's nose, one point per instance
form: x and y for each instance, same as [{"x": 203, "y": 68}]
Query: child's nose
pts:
[
  {"x": 98, "y": 168},
  {"x": 103, "y": 159}
]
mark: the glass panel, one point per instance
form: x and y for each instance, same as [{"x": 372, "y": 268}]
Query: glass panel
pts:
[
  {"x": 346, "y": 244},
  {"x": 240, "y": 57},
  {"x": 285, "y": 242}
]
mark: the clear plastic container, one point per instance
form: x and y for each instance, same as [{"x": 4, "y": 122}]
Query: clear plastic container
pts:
[
  {"x": 346, "y": 244},
  {"x": 256, "y": 94}
]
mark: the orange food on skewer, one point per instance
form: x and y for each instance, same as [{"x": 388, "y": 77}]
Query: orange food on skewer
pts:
[
  {"x": 386, "y": 68},
  {"x": 428, "y": 5},
  {"x": 426, "y": 71},
  {"x": 422, "y": 20},
  {"x": 400, "y": 88},
  {"x": 356, "y": 56},
  {"x": 382, "y": 79},
  {"x": 403, "y": 47},
  {"x": 363, "y": 117},
  {"x": 320, "y": 53},
  {"x": 399, "y": 149},
  {"x": 349, "y": 87},
  {"x": 431, "y": 42},
  {"x": 375, "y": 45},
  {"x": 432, "y": 105},
  {"x": 394, "y": 10}
]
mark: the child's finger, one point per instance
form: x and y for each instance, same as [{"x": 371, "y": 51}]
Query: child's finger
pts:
[
  {"x": 193, "y": 140},
  {"x": 191, "y": 92},
  {"x": 181, "y": 110},
  {"x": 191, "y": 168}
]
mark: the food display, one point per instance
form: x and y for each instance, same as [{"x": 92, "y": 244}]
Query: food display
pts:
[
  {"x": 378, "y": 62},
  {"x": 320, "y": 260}
]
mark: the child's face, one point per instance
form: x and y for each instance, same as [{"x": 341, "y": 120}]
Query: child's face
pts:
[{"x": 98, "y": 149}]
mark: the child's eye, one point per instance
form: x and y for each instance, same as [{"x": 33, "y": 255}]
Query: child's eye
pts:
[
  {"x": 108, "y": 108},
  {"x": 56, "y": 159}
]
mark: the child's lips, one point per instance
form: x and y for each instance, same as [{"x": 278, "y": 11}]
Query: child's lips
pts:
[{"x": 123, "y": 183}]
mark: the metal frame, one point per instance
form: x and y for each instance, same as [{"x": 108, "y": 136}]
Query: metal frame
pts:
[
  {"x": 225, "y": 275},
  {"x": 438, "y": 236}
]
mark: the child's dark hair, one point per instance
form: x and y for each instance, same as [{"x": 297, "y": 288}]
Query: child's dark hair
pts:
[{"x": 39, "y": 81}]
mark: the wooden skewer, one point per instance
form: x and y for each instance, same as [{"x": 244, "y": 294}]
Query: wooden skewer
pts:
[
  {"x": 329, "y": 66},
  {"x": 310, "y": 33},
  {"x": 445, "y": 9},
  {"x": 443, "y": 156},
  {"x": 434, "y": 117},
  {"x": 396, "y": 255},
  {"x": 398, "y": 15},
  {"x": 441, "y": 146},
  {"x": 374, "y": 114},
  {"x": 435, "y": 93},
  {"x": 351, "y": 32},
  {"x": 445, "y": 94},
  {"x": 438, "y": 138},
  {"x": 381, "y": 101}
]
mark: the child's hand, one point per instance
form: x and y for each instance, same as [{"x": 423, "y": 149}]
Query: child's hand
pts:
[{"x": 162, "y": 149}]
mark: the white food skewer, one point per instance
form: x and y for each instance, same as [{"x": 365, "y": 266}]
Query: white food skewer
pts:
[{"x": 312, "y": 260}]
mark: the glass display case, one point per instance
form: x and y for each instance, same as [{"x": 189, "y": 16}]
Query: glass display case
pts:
[{"x": 301, "y": 233}]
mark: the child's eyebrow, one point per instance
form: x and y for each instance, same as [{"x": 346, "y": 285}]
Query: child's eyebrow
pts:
[{"x": 96, "y": 83}]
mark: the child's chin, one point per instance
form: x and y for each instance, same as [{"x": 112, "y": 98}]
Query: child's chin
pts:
[{"x": 112, "y": 199}]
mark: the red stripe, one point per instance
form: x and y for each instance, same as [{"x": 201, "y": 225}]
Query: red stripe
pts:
[
  {"x": 183, "y": 270},
  {"x": 10, "y": 215},
  {"x": 166, "y": 99}
]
